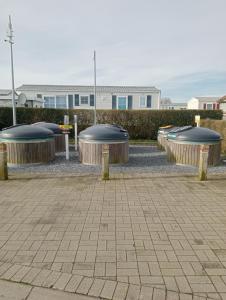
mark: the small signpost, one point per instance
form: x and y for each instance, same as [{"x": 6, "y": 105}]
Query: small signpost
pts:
[
  {"x": 3, "y": 162},
  {"x": 203, "y": 162},
  {"x": 76, "y": 131},
  {"x": 66, "y": 130},
  {"x": 197, "y": 120},
  {"x": 105, "y": 162}
]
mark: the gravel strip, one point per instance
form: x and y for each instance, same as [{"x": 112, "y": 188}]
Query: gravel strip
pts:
[{"x": 142, "y": 159}]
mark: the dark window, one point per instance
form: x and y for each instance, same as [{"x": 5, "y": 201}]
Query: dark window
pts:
[
  {"x": 218, "y": 105},
  {"x": 214, "y": 106},
  {"x": 130, "y": 102},
  {"x": 204, "y": 105},
  {"x": 114, "y": 102},
  {"x": 70, "y": 101},
  {"x": 149, "y": 101},
  {"x": 39, "y": 96},
  {"x": 76, "y": 100},
  {"x": 91, "y": 99}
]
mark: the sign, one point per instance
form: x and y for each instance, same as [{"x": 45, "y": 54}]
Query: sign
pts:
[{"x": 68, "y": 127}]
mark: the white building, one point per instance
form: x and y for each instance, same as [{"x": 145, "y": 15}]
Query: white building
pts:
[
  {"x": 203, "y": 103},
  {"x": 108, "y": 97},
  {"x": 166, "y": 103},
  {"x": 21, "y": 100}
]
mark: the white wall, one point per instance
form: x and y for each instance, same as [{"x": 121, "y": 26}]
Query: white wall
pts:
[
  {"x": 193, "y": 103},
  {"x": 104, "y": 100}
]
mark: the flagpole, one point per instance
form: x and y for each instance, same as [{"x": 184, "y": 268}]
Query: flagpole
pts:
[
  {"x": 95, "y": 94},
  {"x": 10, "y": 41}
]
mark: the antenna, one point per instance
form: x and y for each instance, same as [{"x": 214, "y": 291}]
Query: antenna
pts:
[
  {"x": 95, "y": 92},
  {"x": 10, "y": 41}
]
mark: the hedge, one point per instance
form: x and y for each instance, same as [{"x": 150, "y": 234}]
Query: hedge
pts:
[{"x": 140, "y": 124}]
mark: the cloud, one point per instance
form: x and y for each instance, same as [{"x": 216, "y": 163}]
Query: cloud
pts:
[{"x": 177, "y": 45}]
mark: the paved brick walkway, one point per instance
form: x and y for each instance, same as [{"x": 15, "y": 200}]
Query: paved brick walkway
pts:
[{"x": 117, "y": 239}]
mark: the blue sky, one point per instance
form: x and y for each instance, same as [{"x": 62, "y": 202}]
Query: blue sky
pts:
[{"x": 178, "y": 45}]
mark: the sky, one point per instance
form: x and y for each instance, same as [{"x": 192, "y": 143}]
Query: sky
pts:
[{"x": 179, "y": 46}]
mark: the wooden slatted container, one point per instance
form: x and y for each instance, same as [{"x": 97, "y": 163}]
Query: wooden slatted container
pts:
[
  {"x": 58, "y": 135},
  {"x": 28, "y": 145},
  {"x": 162, "y": 136},
  {"x": 91, "y": 153},
  {"x": 184, "y": 147},
  {"x": 93, "y": 138}
]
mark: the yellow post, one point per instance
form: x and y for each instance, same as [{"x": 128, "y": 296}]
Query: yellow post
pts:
[
  {"x": 3, "y": 162},
  {"x": 203, "y": 162},
  {"x": 197, "y": 120},
  {"x": 105, "y": 162}
]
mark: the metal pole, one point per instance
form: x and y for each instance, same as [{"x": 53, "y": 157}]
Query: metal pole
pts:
[
  {"x": 95, "y": 94},
  {"x": 10, "y": 40},
  {"x": 76, "y": 132}
]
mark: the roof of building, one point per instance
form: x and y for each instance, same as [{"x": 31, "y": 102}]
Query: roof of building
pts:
[
  {"x": 206, "y": 99},
  {"x": 179, "y": 104},
  {"x": 222, "y": 99},
  {"x": 4, "y": 92},
  {"x": 86, "y": 88}
]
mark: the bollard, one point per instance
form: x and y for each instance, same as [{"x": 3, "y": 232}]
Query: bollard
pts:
[
  {"x": 197, "y": 120},
  {"x": 3, "y": 162},
  {"x": 76, "y": 132},
  {"x": 203, "y": 162},
  {"x": 105, "y": 162}
]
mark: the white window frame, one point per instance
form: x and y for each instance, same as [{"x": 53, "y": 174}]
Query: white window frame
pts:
[
  {"x": 118, "y": 96},
  {"x": 51, "y": 97},
  {"x": 80, "y": 101},
  {"x": 66, "y": 98},
  {"x": 209, "y": 103},
  {"x": 141, "y": 106}
]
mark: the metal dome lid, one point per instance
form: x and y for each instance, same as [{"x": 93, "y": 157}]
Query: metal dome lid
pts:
[
  {"x": 26, "y": 132},
  {"x": 166, "y": 129},
  {"x": 104, "y": 132},
  {"x": 178, "y": 130},
  {"x": 51, "y": 126},
  {"x": 199, "y": 135}
]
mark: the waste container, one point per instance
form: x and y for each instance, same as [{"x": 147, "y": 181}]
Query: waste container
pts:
[
  {"x": 162, "y": 135},
  {"x": 92, "y": 139},
  {"x": 58, "y": 135},
  {"x": 184, "y": 146},
  {"x": 28, "y": 144}
]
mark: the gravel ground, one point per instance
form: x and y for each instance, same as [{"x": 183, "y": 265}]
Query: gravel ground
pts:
[{"x": 142, "y": 159}]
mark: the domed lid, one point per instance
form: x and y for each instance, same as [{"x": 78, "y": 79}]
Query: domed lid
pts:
[
  {"x": 177, "y": 130},
  {"x": 51, "y": 126},
  {"x": 26, "y": 132},
  {"x": 104, "y": 132},
  {"x": 199, "y": 135},
  {"x": 166, "y": 129}
]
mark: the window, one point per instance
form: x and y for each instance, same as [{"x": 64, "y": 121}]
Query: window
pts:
[
  {"x": 209, "y": 106},
  {"x": 49, "y": 102},
  {"x": 61, "y": 102},
  {"x": 39, "y": 96},
  {"x": 70, "y": 101},
  {"x": 84, "y": 100},
  {"x": 143, "y": 101},
  {"x": 122, "y": 102}
]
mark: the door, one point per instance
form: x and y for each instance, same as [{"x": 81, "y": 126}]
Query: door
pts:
[{"x": 122, "y": 102}]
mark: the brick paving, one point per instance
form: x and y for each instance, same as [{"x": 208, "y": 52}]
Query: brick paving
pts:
[{"x": 133, "y": 236}]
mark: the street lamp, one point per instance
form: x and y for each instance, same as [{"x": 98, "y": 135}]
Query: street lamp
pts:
[{"x": 10, "y": 41}]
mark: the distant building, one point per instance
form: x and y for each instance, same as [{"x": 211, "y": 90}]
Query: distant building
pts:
[
  {"x": 108, "y": 97},
  {"x": 222, "y": 103},
  {"x": 203, "y": 103},
  {"x": 21, "y": 100},
  {"x": 166, "y": 103}
]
